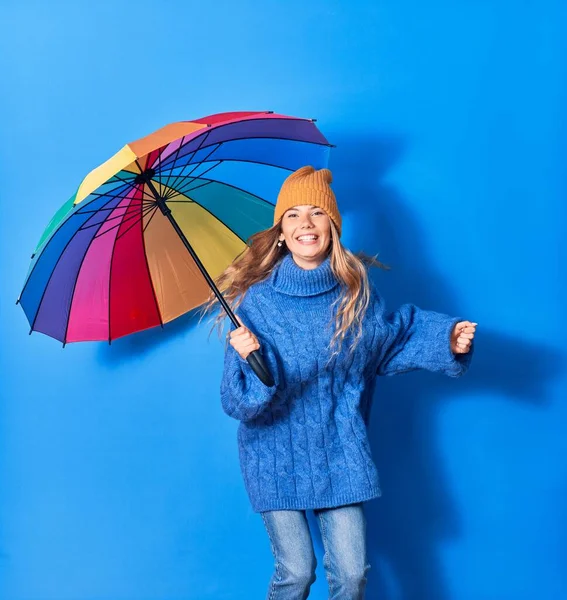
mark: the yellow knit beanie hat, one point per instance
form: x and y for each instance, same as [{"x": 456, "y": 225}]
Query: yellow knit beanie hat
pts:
[{"x": 308, "y": 186}]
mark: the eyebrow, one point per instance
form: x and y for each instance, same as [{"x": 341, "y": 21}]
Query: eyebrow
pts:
[{"x": 297, "y": 207}]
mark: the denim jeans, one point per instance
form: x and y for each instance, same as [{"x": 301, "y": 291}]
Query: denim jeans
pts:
[{"x": 343, "y": 531}]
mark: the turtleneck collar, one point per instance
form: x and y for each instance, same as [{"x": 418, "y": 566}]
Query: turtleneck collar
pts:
[{"x": 289, "y": 278}]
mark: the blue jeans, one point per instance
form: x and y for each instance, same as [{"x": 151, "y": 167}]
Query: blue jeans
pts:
[{"x": 343, "y": 531}]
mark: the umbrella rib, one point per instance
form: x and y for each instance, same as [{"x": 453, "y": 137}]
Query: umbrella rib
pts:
[
  {"x": 141, "y": 216},
  {"x": 194, "y": 166},
  {"x": 258, "y": 137},
  {"x": 236, "y": 188},
  {"x": 39, "y": 250},
  {"x": 110, "y": 284},
  {"x": 149, "y": 220},
  {"x": 127, "y": 210},
  {"x": 243, "y": 160},
  {"x": 175, "y": 192},
  {"x": 50, "y": 275},
  {"x": 157, "y": 160},
  {"x": 168, "y": 163},
  {"x": 93, "y": 212},
  {"x": 133, "y": 184},
  {"x": 125, "y": 220},
  {"x": 148, "y": 265},
  {"x": 124, "y": 190},
  {"x": 79, "y": 273},
  {"x": 179, "y": 149},
  {"x": 85, "y": 212},
  {"x": 171, "y": 163},
  {"x": 122, "y": 194},
  {"x": 212, "y": 215},
  {"x": 182, "y": 190},
  {"x": 65, "y": 219},
  {"x": 176, "y": 155},
  {"x": 188, "y": 184}
]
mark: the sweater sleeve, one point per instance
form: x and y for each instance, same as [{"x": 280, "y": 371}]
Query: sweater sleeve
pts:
[
  {"x": 419, "y": 339},
  {"x": 243, "y": 395}
]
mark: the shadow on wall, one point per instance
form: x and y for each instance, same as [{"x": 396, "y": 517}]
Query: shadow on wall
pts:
[
  {"x": 146, "y": 342},
  {"x": 416, "y": 512}
]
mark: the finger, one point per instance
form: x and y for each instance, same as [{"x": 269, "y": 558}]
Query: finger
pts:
[
  {"x": 250, "y": 348},
  {"x": 462, "y": 348},
  {"x": 459, "y": 327},
  {"x": 242, "y": 334},
  {"x": 246, "y": 337},
  {"x": 241, "y": 345},
  {"x": 469, "y": 329},
  {"x": 466, "y": 336}
]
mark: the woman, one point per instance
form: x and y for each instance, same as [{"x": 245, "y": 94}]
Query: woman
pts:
[{"x": 306, "y": 303}]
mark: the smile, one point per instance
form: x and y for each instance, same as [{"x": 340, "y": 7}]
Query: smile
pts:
[{"x": 307, "y": 239}]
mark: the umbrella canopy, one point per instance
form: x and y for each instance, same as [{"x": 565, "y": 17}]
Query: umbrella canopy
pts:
[{"x": 110, "y": 263}]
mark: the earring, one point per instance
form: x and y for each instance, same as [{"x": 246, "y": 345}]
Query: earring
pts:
[{"x": 280, "y": 243}]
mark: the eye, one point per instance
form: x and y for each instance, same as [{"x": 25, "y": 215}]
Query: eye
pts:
[{"x": 318, "y": 212}]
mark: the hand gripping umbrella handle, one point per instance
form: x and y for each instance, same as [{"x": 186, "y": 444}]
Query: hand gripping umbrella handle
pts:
[{"x": 256, "y": 361}]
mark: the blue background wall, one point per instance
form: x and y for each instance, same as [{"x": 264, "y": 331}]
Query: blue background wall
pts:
[{"x": 119, "y": 475}]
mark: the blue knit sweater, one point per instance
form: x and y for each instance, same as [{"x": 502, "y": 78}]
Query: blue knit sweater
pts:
[{"x": 303, "y": 442}]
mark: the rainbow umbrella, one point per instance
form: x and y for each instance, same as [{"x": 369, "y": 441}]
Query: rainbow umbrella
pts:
[{"x": 146, "y": 232}]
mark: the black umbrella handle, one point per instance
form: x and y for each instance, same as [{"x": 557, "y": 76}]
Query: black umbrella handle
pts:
[{"x": 258, "y": 365}]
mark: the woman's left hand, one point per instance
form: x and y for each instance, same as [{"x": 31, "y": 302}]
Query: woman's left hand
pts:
[{"x": 462, "y": 337}]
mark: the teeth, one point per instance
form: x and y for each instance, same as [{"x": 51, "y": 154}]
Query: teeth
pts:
[{"x": 307, "y": 237}]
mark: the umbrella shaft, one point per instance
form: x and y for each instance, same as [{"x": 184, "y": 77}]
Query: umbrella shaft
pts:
[
  {"x": 167, "y": 213},
  {"x": 202, "y": 268}
]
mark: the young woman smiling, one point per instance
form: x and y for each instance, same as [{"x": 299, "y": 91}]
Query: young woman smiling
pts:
[{"x": 306, "y": 302}]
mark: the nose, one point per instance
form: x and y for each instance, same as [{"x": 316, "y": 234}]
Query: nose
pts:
[{"x": 306, "y": 220}]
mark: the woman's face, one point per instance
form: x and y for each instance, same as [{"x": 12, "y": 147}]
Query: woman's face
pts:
[{"x": 306, "y": 230}]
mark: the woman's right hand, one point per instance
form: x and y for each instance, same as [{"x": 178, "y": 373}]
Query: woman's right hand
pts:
[{"x": 243, "y": 340}]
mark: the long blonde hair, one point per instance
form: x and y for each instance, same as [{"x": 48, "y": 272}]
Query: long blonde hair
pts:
[{"x": 261, "y": 254}]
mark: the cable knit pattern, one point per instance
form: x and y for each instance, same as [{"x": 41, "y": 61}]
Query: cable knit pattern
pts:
[{"x": 303, "y": 442}]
